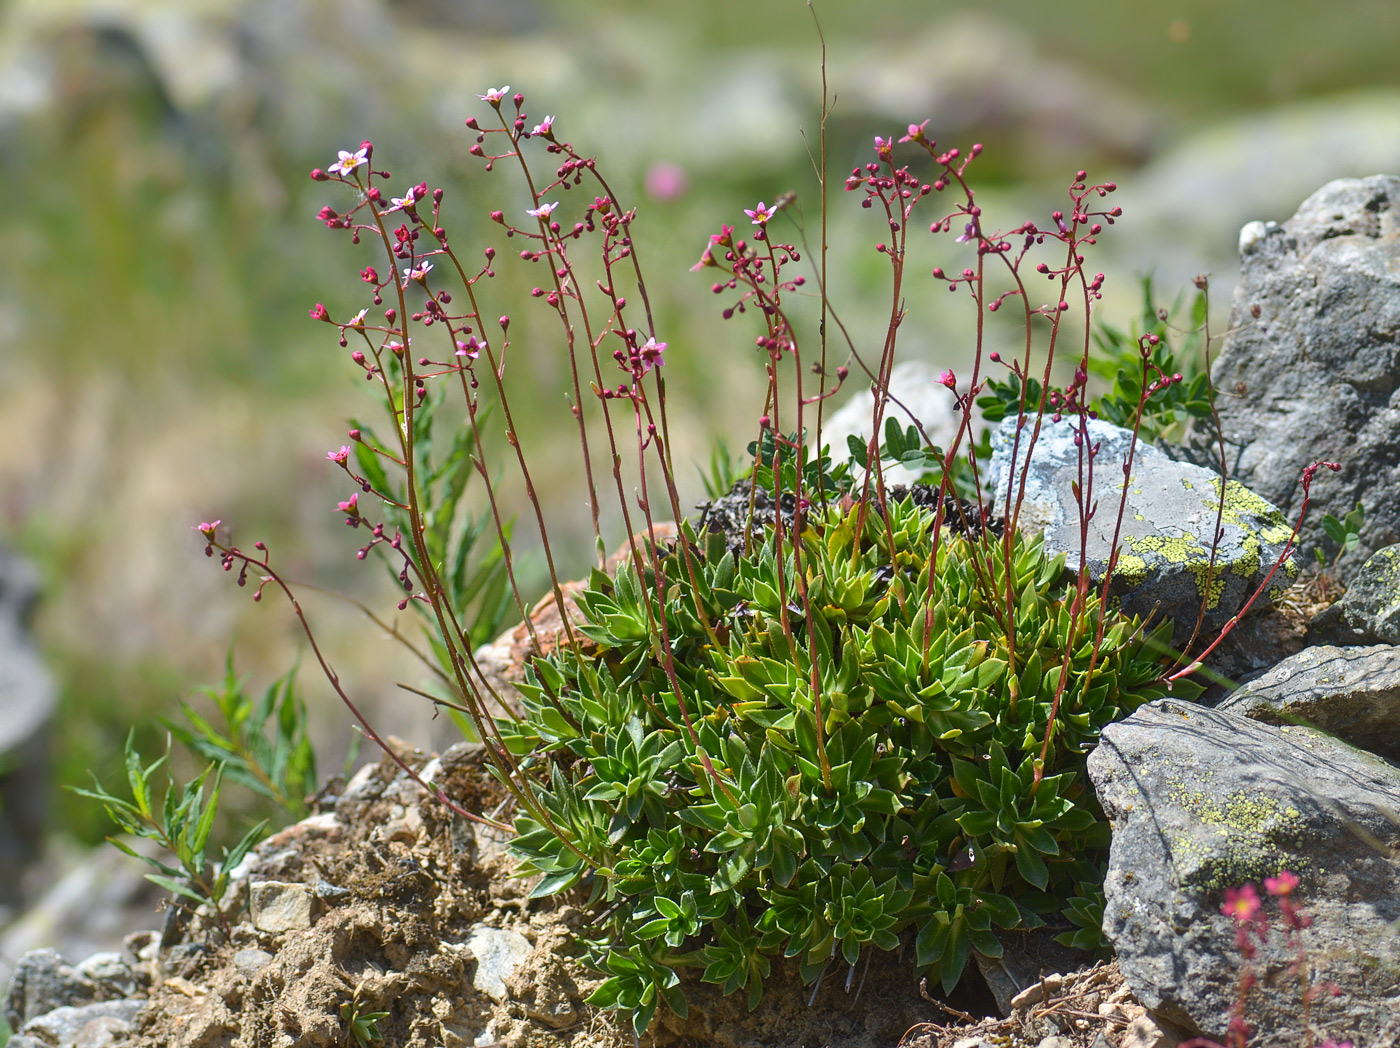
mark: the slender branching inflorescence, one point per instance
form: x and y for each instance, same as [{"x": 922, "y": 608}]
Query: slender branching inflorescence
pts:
[
  {"x": 858, "y": 714},
  {"x": 1252, "y": 927}
]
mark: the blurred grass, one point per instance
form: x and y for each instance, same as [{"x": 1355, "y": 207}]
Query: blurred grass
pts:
[{"x": 157, "y": 366}]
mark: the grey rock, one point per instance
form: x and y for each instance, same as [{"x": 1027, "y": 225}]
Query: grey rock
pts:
[
  {"x": 1369, "y": 612},
  {"x": 89, "y": 1026},
  {"x": 25, "y": 1041},
  {"x": 1202, "y": 800},
  {"x": 1168, "y": 522},
  {"x": 43, "y": 981},
  {"x": 498, "y": 954},
  {"x": 278, "y": 906},
  {"x": 1352, "y": 693},
  {"x": 93, "y": 901},
  {"x": 1316, "y": 375},
  {"x": 250, "y": 961}
]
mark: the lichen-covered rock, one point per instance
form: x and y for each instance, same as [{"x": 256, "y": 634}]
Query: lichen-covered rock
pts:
[
  {"x": 1168, "y": 527},
  {"x": 1311, "y": 367},
  {"x": 1352, "y": 693},
  {"x": 1369, "y": 613},
  {"x": 1202, "y": 801}
]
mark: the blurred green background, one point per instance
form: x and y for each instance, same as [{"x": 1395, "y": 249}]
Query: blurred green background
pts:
[{"x": 159, "y": 250}]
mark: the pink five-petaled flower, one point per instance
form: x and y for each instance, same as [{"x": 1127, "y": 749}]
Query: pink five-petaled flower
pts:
[
  {"x": 407, "y": 202},
  {"x": 1241, "y": 903},
  {"x": 1283, "y": 884},
  {"x": 349, "y": 161},
  {"x": 545, "y": 126},
  {"x": 543, "y": 211},
  {"x": 358, "y": 320},
  {"x": 350, "y": 507},
  {"x": 761, "y": 214},
  {"x": 418, "y": 273},
  {"x": 339, "y": 457},
  {"x": 494, "y": 94},
  {"x": 650, "y": 354},
  {"x": 319, "y": 312},
  {"x": 916, "y": 133},
  {"x": 206, "y": 528},
  {"x": 949, "y": 379}
]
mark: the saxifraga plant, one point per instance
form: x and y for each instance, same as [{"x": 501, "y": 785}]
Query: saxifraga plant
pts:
[{"x": 856, "y": 719}]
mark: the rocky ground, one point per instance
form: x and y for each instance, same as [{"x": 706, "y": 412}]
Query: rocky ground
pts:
[{"x": 383, "y": 901}]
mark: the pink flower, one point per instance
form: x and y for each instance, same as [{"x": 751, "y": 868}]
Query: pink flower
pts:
[
  {"x": 665, "y": 181},
  {"x": 358, "y": 320},
  {"x": 545, "y": 126},
  {"x": 916, "y": 133},
  {"x": 650, "y": 354},
  {"x": 1241, "y": 903},
  {"x": 339, "y": 457},
  {"x": 1283, "y": 884},
  {"x": 494, "y": 94},
  {"x": 949, "y": 379},
  {"x": 725, "y": 236},
  {"x": 761, "y": 214},
  {"x": 206, "y": 528},
  {"x": 418, "y": 273},
  {"x": 407, "y": 202},
  {"x": 349, "y": 161},
  {"x": 543, "y": 211},
  {"x": 350, "y": 507},
  {"x": 319, "y": 312}
]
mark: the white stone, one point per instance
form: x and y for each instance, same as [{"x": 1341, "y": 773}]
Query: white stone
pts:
[
  {"x": 498, "y": 954},
  {"x": 916, "y": 385}
]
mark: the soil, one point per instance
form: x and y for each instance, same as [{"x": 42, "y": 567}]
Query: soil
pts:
[{"x": 398, "y": 884}]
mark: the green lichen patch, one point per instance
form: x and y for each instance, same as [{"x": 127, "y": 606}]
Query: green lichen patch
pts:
[{"x": 1240, "y": 837}]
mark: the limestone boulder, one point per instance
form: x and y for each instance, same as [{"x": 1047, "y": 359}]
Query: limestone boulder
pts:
[
  {"x": 1170, "y": 510},
  {"x": 1369, "y": 612},
  {"x": 1204, "y": 801},
  {"x": 1352, "y": 693},
  {"x": 1311, "y": 367}
]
